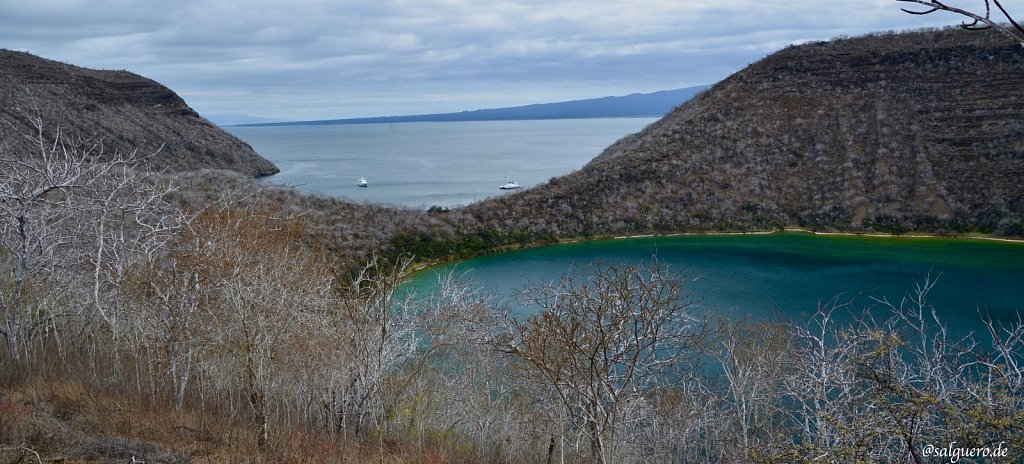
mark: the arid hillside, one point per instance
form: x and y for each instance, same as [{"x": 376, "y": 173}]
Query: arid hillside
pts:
[
  {"x": 124, "y": 111},
  {"x": 920, "y": 131}
]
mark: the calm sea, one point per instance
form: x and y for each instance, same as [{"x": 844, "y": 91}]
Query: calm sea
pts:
[{"x": 425, "y": 164}]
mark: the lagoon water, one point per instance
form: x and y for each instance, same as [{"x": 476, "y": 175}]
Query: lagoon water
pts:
[
  {"x": 424, "y": 164},
  {"x": 785, "y": 275}
]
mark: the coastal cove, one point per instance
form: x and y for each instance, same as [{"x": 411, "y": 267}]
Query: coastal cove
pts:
[
  {"x": 781, "y": 275},
  {"x": 422, "y": 164}
]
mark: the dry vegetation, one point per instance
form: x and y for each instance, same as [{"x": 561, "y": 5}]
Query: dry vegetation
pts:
[
  {"x": 142, "y": 324},
  {"x": 207, "y": 318}
]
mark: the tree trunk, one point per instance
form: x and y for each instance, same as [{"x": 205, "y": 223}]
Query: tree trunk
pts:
[
  {"x": 596, "y": 445},
  {"x": 259, "y": 410}
]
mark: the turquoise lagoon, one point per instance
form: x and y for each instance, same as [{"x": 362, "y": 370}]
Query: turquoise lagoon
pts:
[{"x": 784, "y": 275}]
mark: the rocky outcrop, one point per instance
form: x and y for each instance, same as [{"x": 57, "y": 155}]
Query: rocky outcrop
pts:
[{"x": 123, "y": 111}]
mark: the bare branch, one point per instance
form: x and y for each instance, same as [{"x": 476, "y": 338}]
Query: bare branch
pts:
[{"x": 976, "y": 21}]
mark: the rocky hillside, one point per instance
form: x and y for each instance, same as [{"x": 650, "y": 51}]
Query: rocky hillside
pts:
[
  {"x": 125, "y": 111},
  {"x": 919, "y": 131}
]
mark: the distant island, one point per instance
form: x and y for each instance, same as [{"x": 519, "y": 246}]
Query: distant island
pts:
[{"x": 634, "y": 105}]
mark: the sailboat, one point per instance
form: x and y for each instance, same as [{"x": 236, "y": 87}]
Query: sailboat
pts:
[{"x": 509, "y": 184}]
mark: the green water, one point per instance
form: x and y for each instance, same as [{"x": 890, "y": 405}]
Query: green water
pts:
[{"x": 785, "y": 275}]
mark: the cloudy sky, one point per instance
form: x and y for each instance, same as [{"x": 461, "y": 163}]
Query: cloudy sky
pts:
[{"x": 321, "y": 59}]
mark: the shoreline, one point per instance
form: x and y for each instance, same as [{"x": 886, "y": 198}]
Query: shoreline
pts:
[
  {"x": 415, "y": 269},
  {"x": 840, "y": 234}
]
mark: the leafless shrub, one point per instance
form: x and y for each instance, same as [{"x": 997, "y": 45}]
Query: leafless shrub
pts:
[
  {"x": 602, "y": 346},
  {"x": 68, "y": 210}
]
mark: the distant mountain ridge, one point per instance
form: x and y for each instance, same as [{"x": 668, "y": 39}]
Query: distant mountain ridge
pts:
[
  {"x": 235, "y": 119},
  {"x": 633, "y": 105},
  {"x": 125, "y": 111}
]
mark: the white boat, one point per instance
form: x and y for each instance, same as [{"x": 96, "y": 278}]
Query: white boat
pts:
[
  {"x": 362, "y": 182},
  {"x": 510, "y": 185}
]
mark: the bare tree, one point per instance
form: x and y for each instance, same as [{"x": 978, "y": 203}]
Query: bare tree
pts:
[
  {"x": 603, "y": 344},
  {"x": 168, "y": 299},
  {"x": 50, "y": 200},
  {"x": 268, "y": 290},
  {"x": 752, "y": 358},
  {"x": 371, "y": 334},
  {"x": 170, "y": 295},
  {"x": 131, "y": 221},
  {"x": 828, "y": 406},
  {"x": 977, "y": 21},
  {"x": 455, "y": 383}
]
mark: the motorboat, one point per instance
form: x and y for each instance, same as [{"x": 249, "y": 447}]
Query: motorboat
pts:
[
  {"x": 362, "y": 182},
  {"x": 510, "y": 185}
]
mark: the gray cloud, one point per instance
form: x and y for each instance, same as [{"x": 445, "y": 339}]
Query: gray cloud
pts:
[{"x": 325, "y": 59}]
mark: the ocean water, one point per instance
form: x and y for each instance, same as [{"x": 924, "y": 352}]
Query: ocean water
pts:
[{"x": 427, "y": 164}]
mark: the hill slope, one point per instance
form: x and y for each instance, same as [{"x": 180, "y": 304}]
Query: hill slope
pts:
[
  {"x": 124, "y": 110},
  {"x": 637, "y": 104},
  {"x": 918, "y": 131}
]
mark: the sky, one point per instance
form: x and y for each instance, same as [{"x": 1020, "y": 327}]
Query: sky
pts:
[{"x": 326, "y": 59}]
